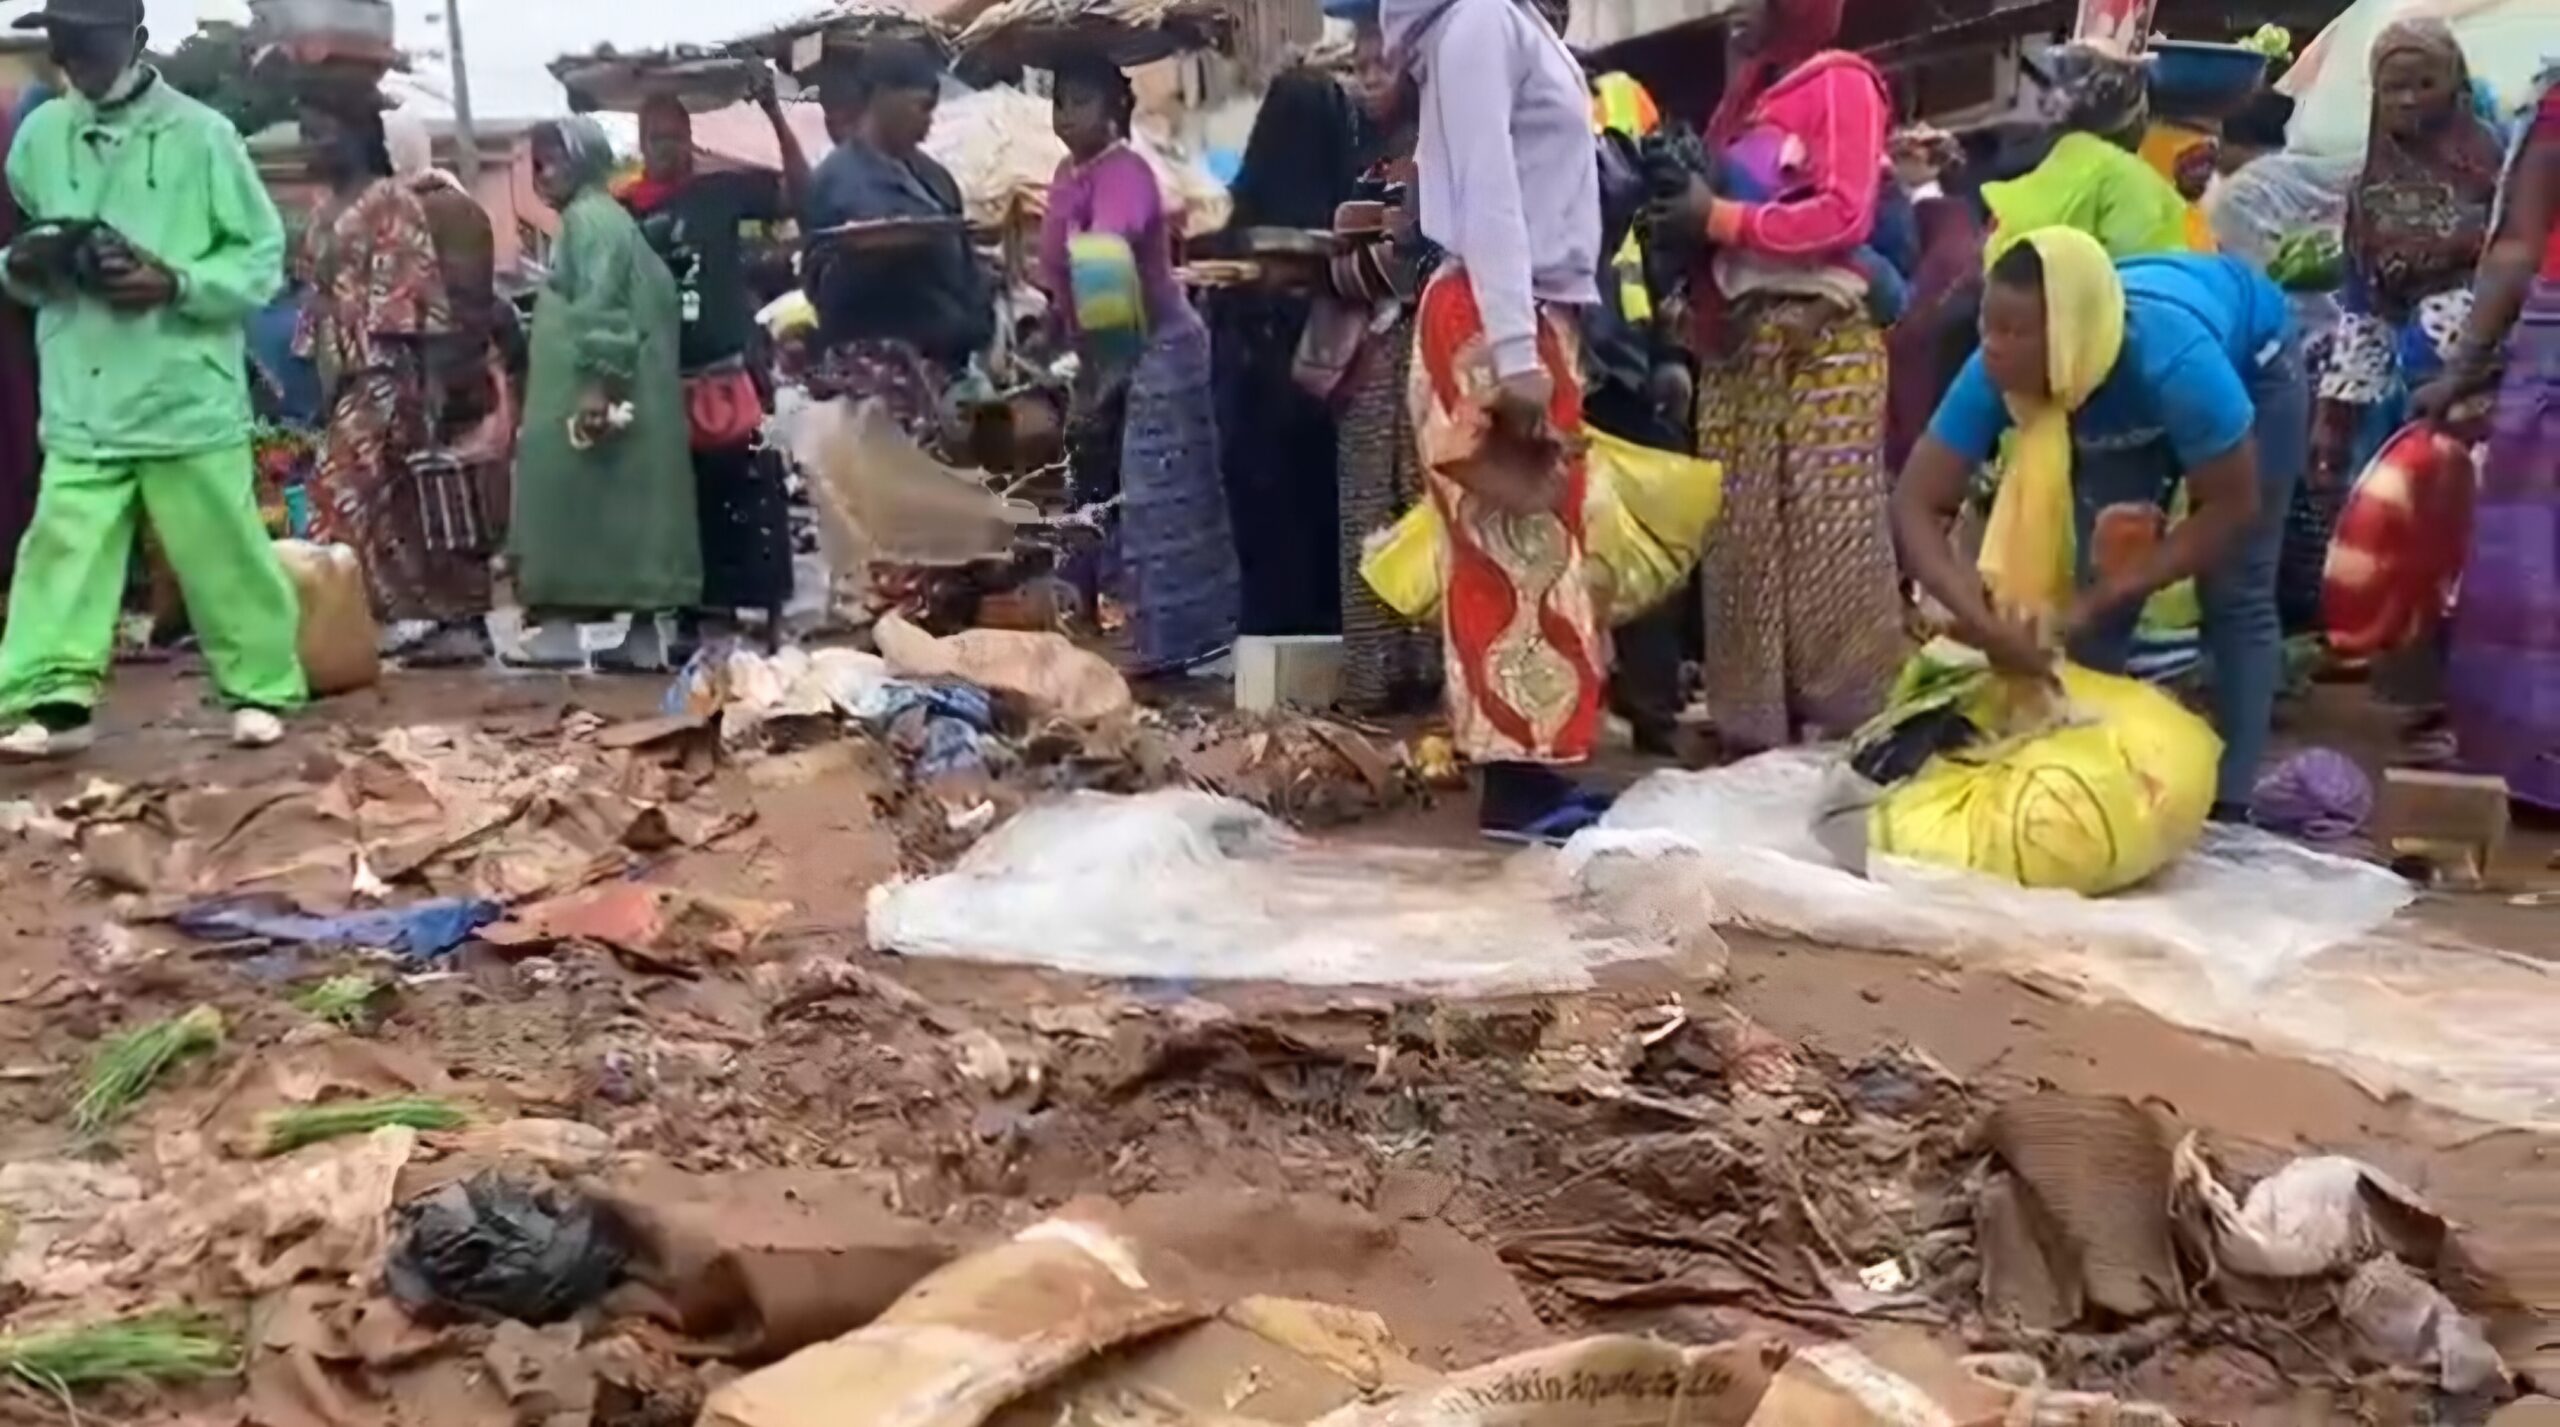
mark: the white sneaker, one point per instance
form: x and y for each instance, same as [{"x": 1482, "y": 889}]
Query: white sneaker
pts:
[
  {"x": 256, "y": 728},
  {"x": 32, "y": 742}
]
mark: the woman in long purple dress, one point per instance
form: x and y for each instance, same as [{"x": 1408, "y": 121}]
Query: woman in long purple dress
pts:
[
  {"x": 2503, "y": 680},
  {"x": 1177, "y": 564}
]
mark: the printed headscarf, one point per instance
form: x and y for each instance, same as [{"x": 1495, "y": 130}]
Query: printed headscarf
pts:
[
  {"x": 586, "y": 148},
  {"x": 1797, "y": 31},
  {"x": 2421, "y": 209}
]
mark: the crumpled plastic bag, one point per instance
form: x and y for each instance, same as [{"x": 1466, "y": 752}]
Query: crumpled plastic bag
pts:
[
  {"x": 2401, "y": 1320},
  {"x": 2092, "y": 791},
  {"x": 2316, "y": 1216},
  {"x": 1057, "y": 678},
  {"x": 507, "y": 1248},
  {"x": 1646, "y": 514}
]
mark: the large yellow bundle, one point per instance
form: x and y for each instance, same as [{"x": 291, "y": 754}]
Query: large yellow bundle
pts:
[
  {"x": 2079, "y": 781},
  {"x": 1645, "y": 518},
  {"x": 2090, "y": 788}
]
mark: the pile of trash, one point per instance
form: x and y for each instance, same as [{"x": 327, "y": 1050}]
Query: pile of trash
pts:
[
  {"x": 1641, "y": 1179},
  {"x": 978, "y": 725},
  {"x": 432, "y": 811},
  {"x": 2096, "y": 1211}
]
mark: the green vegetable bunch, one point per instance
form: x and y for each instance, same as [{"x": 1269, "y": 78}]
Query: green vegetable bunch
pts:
[
  {"x": 2273, "y": 41},
  {"x": 2310, "y": 260}
]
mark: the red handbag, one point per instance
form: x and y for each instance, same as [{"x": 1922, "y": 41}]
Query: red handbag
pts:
[
  {"x": 723, "y": 408},
  {"x": 2402, "y": 538}
]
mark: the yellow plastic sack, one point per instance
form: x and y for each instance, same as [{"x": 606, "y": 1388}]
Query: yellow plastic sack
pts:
[
  {"x": 339, "y": 641},
  {"x": 1645, "y": 518},
  {"x": 2112, "y": 790}
]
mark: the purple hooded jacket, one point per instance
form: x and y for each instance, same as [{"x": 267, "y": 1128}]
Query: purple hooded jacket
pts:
[{"x": 1509, "y": 177}]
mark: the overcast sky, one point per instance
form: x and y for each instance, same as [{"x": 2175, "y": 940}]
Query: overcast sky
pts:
[{"x": 510, "y": 41}]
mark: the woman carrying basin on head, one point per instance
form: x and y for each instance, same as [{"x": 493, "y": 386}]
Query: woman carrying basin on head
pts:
[{"x": 1106, "y": 257}]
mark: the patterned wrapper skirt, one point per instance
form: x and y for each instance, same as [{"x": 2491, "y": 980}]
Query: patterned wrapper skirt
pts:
[
  {"x": 2503, "y": 680},
  {"x": 419, "y": 519},
  {"x": 1387, "y": 663},
  {"x": 1521, "y": 641},
  {"x": 1805, "y": 625},
  {"x": 1176, "y": 552}
]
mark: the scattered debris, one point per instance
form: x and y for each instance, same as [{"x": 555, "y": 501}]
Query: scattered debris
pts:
[
  {"x": 1058, "y": 679},
  {"x": 125, "y": 1068},
  {"x": 2313, "y": 1217},
  {"x": 656, "y": 928},
  {"x": 2403, "y": 1321},
  {"x": 101, "y": 1238},
  {"x": 759, "y": 1263},
  {"x": 506, "y": 1248},
  {"x": 2092, "y": 1179}
]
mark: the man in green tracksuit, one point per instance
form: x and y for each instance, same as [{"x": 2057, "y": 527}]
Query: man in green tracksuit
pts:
[{"x": 148, "y": 242}]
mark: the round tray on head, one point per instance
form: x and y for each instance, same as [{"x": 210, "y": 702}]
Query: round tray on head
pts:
[
  {"x": 842, "y": 32},
  {"x": 887, "y": 232},
  {"x": 2191, "y": 79},
  {"x": 702, "y": 80},
  {"x": 1290, "y": 243},
  {"x": 1040, "y": 34}
]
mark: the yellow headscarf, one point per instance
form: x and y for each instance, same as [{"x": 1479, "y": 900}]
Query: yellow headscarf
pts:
[{"x": 2027, "y": 550}]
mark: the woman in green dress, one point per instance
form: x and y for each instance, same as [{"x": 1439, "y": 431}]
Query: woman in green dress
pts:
[{"x": 605, "y": 527}]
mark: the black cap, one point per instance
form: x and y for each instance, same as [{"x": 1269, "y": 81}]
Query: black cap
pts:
[{"x": 88, "y": 14}]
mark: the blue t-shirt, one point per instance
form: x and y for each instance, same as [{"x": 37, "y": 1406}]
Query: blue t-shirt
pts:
[{"x": 2196, "y": 332}]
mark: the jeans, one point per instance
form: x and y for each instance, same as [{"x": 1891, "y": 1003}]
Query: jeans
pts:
[{"x": 2243, "y": 636}]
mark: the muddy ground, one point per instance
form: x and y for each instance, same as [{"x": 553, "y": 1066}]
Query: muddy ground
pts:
[{"x": 1526, "y": 1203}]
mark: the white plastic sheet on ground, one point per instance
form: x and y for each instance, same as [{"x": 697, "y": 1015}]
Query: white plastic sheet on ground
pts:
[
  {"x": 2249, "y": 936},
  {"x": 1183, "y": 885}
]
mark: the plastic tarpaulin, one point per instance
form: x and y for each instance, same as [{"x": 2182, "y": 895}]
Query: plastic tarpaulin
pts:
[
  {"x": 1186, "y": 886},
  {"x": 2509, "y": 43},
  {"x": 2248, "y": 936}
]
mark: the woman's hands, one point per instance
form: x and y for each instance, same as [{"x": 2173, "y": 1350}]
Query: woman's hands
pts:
[{"x": 1680, "y": 220}]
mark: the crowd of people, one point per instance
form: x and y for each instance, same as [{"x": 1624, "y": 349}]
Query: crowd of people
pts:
[{"x": 1856, "y": 324}]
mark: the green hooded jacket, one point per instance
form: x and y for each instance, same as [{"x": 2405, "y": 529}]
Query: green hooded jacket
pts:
[{"x": 174, "y": 177}]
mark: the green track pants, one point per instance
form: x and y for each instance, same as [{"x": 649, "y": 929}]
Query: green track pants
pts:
[{"x": 70, "y": 581}]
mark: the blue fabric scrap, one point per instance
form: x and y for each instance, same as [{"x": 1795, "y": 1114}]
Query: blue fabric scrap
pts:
[{"x": 422, "y": 931}]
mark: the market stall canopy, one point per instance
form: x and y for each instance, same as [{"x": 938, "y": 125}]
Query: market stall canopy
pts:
[
  {"x": 1037, "y": 33},
  {"x": 2508, "y": 42}
]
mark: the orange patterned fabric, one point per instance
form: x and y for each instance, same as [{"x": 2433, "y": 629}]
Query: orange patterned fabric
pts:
[{"x": 1522, "y": 641}]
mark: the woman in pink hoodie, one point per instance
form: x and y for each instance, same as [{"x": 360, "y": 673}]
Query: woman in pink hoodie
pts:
[{"x": 1804, "y": 607}]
